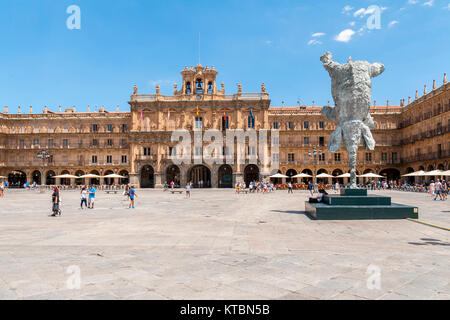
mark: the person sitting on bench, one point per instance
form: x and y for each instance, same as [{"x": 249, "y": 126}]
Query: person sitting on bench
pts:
[{"x": 319, "y": 198}]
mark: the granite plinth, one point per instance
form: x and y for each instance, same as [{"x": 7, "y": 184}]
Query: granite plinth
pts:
[{"x": 355, "y": 204}]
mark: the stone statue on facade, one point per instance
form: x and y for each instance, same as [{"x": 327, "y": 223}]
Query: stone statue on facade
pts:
[{"x": 351, "y": 87}]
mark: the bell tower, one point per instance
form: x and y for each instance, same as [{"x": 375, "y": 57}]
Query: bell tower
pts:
[{"x": 199, "y": 80}]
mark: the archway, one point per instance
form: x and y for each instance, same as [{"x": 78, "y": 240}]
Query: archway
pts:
[
  {"x": 36, "y": 176},
  {"x": 276, "y": 180},
  {"x": 79, "y": 181},
  {"x": 441, "y": 167},
  {"x": 307, "y": 171},
  {"x": 94, "y": 181},
  {"x": 125, "y": 179},
  {"x": 290, "y": 173},
  {"x": 225, "y": 176},
  {"x": 200, "y": 176},
  {"x": 17, "y": 179},
  {"x": 322, "y": 180},
  {"x": 390, "y": 174},
  {"x": 173, "y": 174},
  {"x": 147, "y": 177},
  {"x": 251, "y": 173},
  {"x": 108, "y": 181},
  {"x": 64, "y": 181},
  {"x": 336, "y": 173},
  {"x": 49, "y": 178},
  {"x": 410, "y": 179}
]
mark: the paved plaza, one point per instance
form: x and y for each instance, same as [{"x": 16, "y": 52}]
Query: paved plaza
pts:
[{"x": 217, "y": 245}]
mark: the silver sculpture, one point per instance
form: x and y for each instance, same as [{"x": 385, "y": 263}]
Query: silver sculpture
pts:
[{"x": 351, "y": 87}]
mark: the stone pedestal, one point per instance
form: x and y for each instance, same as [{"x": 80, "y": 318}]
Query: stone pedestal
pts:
[
  {"x": 134, "y": 180},
  {"x": 158, "y": 181},
  {"x": 355, "y": 204}
]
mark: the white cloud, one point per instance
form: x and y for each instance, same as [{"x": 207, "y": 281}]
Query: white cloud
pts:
[
  {"x": 352, "y": 23},
  {"x": 447, "y": 7},
  {"x": 347, "y": 9},
  {"x": 364, "y": 12},
  {"x": 429, "y": 3},
  {"x": 345, "y": 35},
  {"x": 413, "y": 1},
  {"x": 318, "y": 34},
  {"x": 393, "y": 23},
  {"x": 313, "y": 42},
  {"x": 268, "y": 42}
]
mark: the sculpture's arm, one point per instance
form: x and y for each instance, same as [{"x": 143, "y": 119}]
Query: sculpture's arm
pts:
[
  {"x": 328, "y": 63},
  {"x": 376, "y": 69}
]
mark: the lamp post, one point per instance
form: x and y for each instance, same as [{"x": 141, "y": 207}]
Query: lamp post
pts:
[
  {"x": 314, "y": 153},
  {"x": 44, "y": 155}
]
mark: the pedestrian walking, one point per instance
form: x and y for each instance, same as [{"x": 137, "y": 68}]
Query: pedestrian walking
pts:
[
  {"x": 55, "y": 202},
  {"x": 91, "y": 197},
  {"x": 310, "y": 188},
  {"x": 133, "y": 196},
  {"x": 290, "y": 188},
  {"x": 83, "y": 197},
  {"x": 188, "y": 190}
]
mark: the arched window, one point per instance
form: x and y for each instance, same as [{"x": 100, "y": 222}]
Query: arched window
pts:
[
  {"x": 210, "y": 87},
  {"x": 188, "y": 88},
  {"x": 199, "y": 86}
]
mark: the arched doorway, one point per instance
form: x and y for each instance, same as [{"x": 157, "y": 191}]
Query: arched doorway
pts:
[
  {"x": 49, "y": 178},
  {"x": 108, "y": 181},
  {"x": 200, "y": 176},
  {"x": 322, "y": 180},
  {"x": 79, "y": 181},
  {"x": 336, "y": 173},
  {"x": 225, "y": 176},
  {"x": 290, "y": 173},
  {"x": 390, "y": 174},
  {"x": 64, "y": 181},
  {"x": 276, "y": 180},
  {"x": 17, "y": 179},
  {"x": 94, "y": 181},
  {"x": 36, "y": 176},
  {"x": 251, "y": 173},
  {"x": 173, "y": 174},
  {"x": 309, "y": 172},
  {"x": 147, "y": 177},
  {"x": 125, "y": 179},
  {"x": 410, "y": 179}
]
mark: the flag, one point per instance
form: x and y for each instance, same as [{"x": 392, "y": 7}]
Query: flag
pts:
[
  {"x": 168, "y": 114},
  {"x": 251, "y": 113},
  {"x": 224, "y": 114},
  {"x": 142, "y": 115},
  {"x": 197, "y": 110}
]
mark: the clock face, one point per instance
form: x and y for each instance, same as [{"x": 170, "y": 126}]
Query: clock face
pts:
[{"x": 199, "y": 97}]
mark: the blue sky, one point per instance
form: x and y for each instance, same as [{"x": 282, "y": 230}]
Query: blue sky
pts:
[{"x": 126, "y": 42}]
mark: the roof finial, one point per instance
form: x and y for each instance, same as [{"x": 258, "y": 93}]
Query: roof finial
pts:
[
  {"x": 89, "y": 108},
  {"x": 434, "y": 84},
  {"x": 350, "y": 59},
  {"x": 18, "y": 110},
  {"x": 445, "y": 78},
  {"x": 409, "y": 100},
  {"x": 417, "y": 94},
  {"x": 425, "y": 91},
  {"x": 5, "y": 109},
  {"x": 31, "y": 109},
  {"x": 117, "y": 108},
  {"x": 387, "y": 103},
  {"x": 59, "y": 109},
  {"x": 374, "y": 103}
]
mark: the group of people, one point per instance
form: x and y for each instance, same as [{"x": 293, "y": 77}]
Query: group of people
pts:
[
  {"x": 255, "y": 187},
  {"x": 87, "y": 197},
  {"x": 439, "y": 189}
]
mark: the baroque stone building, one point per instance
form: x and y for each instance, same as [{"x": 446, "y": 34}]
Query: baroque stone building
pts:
[{"x": 140, "y": 146}]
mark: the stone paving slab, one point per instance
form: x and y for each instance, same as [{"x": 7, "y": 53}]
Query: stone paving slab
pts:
[{"x": 217, "y": 245}]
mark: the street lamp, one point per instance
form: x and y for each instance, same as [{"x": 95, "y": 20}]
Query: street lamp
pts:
[
  {"x": 44, "y": 155},
  {"x": 314, "y": 153}
]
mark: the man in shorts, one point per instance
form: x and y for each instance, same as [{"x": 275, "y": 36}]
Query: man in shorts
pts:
[{"x": 91, "y": 197}]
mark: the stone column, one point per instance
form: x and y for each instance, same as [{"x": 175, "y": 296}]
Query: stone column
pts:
[
  {"x": 215, "y": 177},
  {"x": 158, "y": 180},
  {"x": 134, "y": 180}
]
